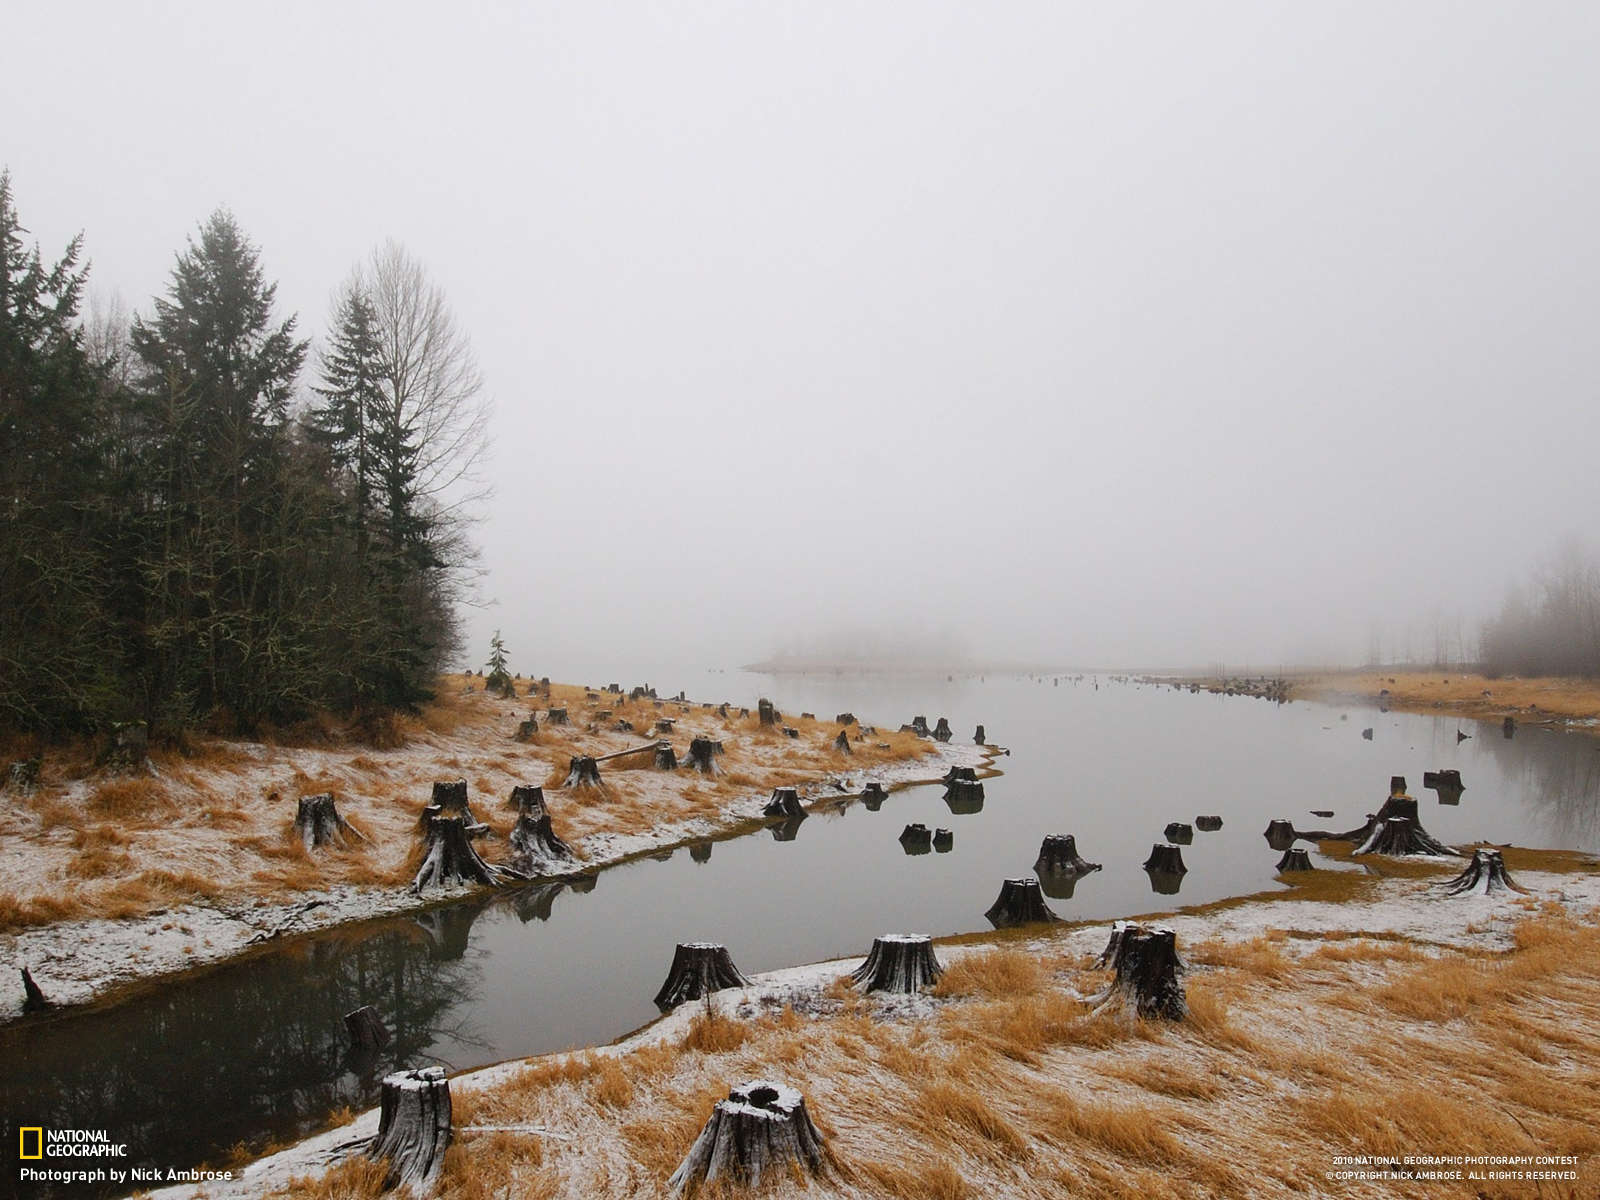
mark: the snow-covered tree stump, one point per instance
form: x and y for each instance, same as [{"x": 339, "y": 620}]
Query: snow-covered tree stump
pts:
[
  {"x": 1165, "y": 858},
  {"x": 1280, "y": 835},
  {"x": 941, "y": 731},
  {"x": 1294, "y": 859},
  {"x": 761, "y": 1130},
  {"x": 22, "y": 777},
  {"x": 366, "y": 1028},
  {"x": 1397, "y": 829},
  {"x": 842, "y": 742},
  {"x": 700, "y": 852},
  {"x": 899, "y": 962},
  {"x": 1485, "y": 875},
  {"x": 1179, "y": 833},
  {"x": 964, "y": 773},
  {"x": 916, "y": 839},
  {"x": 873, "y": 796},
  {"x": 1208, "y": 824},
  {"x": 666, "y": 758},
  {"x": 768, "y": 714},
  {"x": 527, "y": 727},
  {"x": 527, "y": 796},
  {"x": 785, "y": 802},
  {"x": 919, "y": 726},
  {"x": 943, "y": 841},
  {"x": 33, "y": 997},
  {"x": 535, "y": 847},
  {"x": 1147, "y": 967},
  {"x": 583, "y": 773},
  {"x": 1020, "y": 903},
  {"x": 448, "y": 856},
  {"x": 1058, "y": 853},
  {"x": 698, "y": 969},
  {"x": 1445, "y": 784},
  {"x": 556, "y": 716},
  {"x": 318, "y": 822},
  {"x": 702, "y": 757},
  {"x": 978, "y": 738},
  {"x": 413, "y": 1127}
]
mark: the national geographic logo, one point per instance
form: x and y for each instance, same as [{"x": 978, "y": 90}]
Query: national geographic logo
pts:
[
  {"x": 32, "y": 1142},
  {"x": 39, "y": 1143}
]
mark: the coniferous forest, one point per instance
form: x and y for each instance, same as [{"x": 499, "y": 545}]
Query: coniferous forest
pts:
[{"x": 207, "y": 521}]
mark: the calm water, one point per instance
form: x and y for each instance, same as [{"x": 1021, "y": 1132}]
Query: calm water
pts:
[{"x": 256, "y": 1050}]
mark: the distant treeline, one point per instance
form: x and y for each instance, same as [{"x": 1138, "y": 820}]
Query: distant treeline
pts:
[
  {"x": 187, "y": 536},
  {"x": 1551, "y": 627}
]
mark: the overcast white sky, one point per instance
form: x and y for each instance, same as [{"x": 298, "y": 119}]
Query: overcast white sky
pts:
[{"x": 1105, "y": 334}]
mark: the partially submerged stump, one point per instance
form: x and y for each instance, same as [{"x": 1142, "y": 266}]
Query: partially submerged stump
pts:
[
  {"x": 1179, "y": 833},
  {"x": 583, "y": 773},
  {"x": 1485, "y": 875},
  {"x": 785, "y": 802},
  {"x": 943, "y": 841},
  {"x": 978, "y": 737},
  {"x": 698, "y": 969},
  {"x": 366, "y": 1028},
  {"x": 769, "y": 714},
  {"x": 919, "y": 726},
  {"x": 1058, "y": 854},
  {"x": 1208, "y": 824},
  {"x": 33, "y": 997},
  {"x": 318, "y": 822},
  {"x": 842, "y": 742},
  {"x": 1367, "y": 733},
  {"x": 413, "y": 1127},
  {"x": 535, "y": 847},
  {"x": 873, "y": 796},
  {"x": 761, "y": 1129},
  {"x": 702, "y": 757},
  {"x": 964, "y": 796},
  {"x": 1165, "y": 858},
  {"x": 556, "y": 716},
  {"x": 1280, "y": 835},
  {"x": 899, "y": 962},
  {"x": 916, "y": 839},
  {"x": 941, "y": 731},
  {"x": 666, "y": 758},
  {"x": 527, "y": 728},
  {"x": 448, "y": 856},
  {"x": 1294, "y": 860},
  {"x": 1147, "y": 967},
  {"x": 1020, "y": 903}
]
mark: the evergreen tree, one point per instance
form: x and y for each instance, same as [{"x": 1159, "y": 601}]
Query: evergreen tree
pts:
[
  {"x": 351, "y": 397},
  {"x": 499, "y": 679}
]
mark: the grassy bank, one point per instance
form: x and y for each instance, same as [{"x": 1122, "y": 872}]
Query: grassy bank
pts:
[{"x": 1544, "y": 700}]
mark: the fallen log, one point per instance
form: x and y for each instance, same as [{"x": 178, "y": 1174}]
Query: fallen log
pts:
[
  {"x": 899, "y": 962},
  {"x": 413, "y": 1127},
  {"x": 1020, "y": 903},
  {"x": 761, "y": 1129},
  {"x": 698, "y": 969},
  {"x": 1485, "y": 875},
  {"x": 1147, "y": 967}
]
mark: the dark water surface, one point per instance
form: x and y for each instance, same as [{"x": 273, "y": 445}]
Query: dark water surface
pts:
[{"x": 256, "y": 1050}]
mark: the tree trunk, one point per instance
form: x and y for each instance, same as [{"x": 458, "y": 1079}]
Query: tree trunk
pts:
[
  {"x": 698, "y": 969},
  {"x": 703, "y": 757},
  {"x": 583, "y": 773},
  {"x": 978, "y": 738},
  {"x": 1485, "y": 875},
  {"x": 963, "y": 796},
  {"x": 1058, "y": 853},
  {"x": 899, "y": 962},
  {"x": 1147, "y": 967},
  {"x": 1208, "y": 824},
  {"x": 556, "y": 716},
  {"x": 33, "y": 997},
  {"x": 527, "y": 728},
  {"x": 769, "y": 714},
  {"x": 873, "y": 796},
  {"x": 944, "y": 841},
  {"x": 941, "y": 732},
  {"x": 318, "y": 822},
  {"x": 916, "y": 839},
  {"x": 1179, "y": 833},
  {"x": 1020, "y": 903},
  {"x": 1280, "y": 835},
  {"x": 785, "y": 802},
  {"x": 366, "y": 1029},
  {"x": 1294, "y": 859},
  {"x": 700, "y": 852},
  {"x": 761, "y": 1130},
  {"x": 413, "y": 1127},
  {"x": 535, "y": 848},
  {"x": 448, "y": 855},
  {"x": 842, "y": 742}
]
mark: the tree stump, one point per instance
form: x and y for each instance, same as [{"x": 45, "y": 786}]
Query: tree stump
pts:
[
  {"x": 450, "y": 799},
  {"x": 1147, "y": 967},
  {"x": 916, "y": 839},
  {"x": 785, "y": 802},
  {"x": 769, "y": 714},
  {"x": 941, "y": 731},
  {"x": 703, "y": 757},
  {"x": 698, "y": 969},
  {"x": 1208, "y": 824},
  {"x": 965, "y": 773},
  {"x": 762, "y": 1128},
  {"x": 943, "y": 841},
  {"x": 526, "y": 797},
  {"x": 22, "y": 777},
  {"x": 1294, "y": 859},
  {"x": 1165, "y": 858},
  {"x": 1396, "y": 828},
  {"x": 1397, "y": 785},
  {"x": 1020, "y": 903},
  {"x": 873, "y": 796},
  {"x": 33, "y": 997},
  {"x": 1280, "y": 835},
  {"x": 919, "y": 726},
  {"x": 1485, "y": 875},
  {"x": 318, "y": 822},
  {"x": 556, "y": 716},
  {"x": 366, "y": 1028},
  {"x": 845, "y": 718},
  {"x": 1509, "y": 727},
  {"x": 1366, "y": 733},
  {"x": 664, "y": 726},
  {"x": 527, "y": 728},
  {"x": 977, "y": 738},
  {"x": 413, "y": 1127},
  {"x": 128, "y": 748},
  {"x": 899, "y": 962},
  {"x": 535, "y": 847},
  {"x": 623, "y": 726},
  {"x": 666, "y": 758},
  {"x": 789, "y": 731},
  {"x": 448, "y": 856},
  {"x": 1180, "y": 834},
  {"x": 1058, "y": 853},
  {"x": 963, "y": 797},
  {"x": 583, "y": 773},
  {"x": 700, "y": 852},
  {"x": 1445, "y": 784}
]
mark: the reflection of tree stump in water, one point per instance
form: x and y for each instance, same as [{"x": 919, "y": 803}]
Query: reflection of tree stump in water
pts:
[
  {"x": 788, "y": 830},
  {"x": 978, "y": 738},
  {"x": 1147, "y": 966},
  {"x": 1058, "y": 853},
  {"x": 700, "y": 852},
  {"x": 1485, "y": 875},
  {"x": 583, "y": 774},
  {"x": 943, "y": 841},
  {"x": 1208, "y": 824},
  {"x": 963, "y": 796},
  {"x": 899, "y": 962},
  {"x": 1509, "y": 727},
  {"x": 761, "y": 1130},
  {"x": 1020, "y": 903},
  {"x": 873, "y": 796},
  {"x": 785, "y": 802},
  {"x": 1280, "y": 835},
  {"x": 449, "y": 930},
  {"x": 698, "y": 969},
  {"x": 703, "y": 757},
  {"x": 1445, "y": 784},
  {"x": 1166, "y": 869},
  {"x": 916, "y": 839},
  {"x": 413, "y": 1127},
  {"x": 366, "y": 1028},
  {"x": 941, "y": 731},
  {"x": 318, "y": 822},
  {"x": 1294, "y": 859},
  {"x": 536, "y": 902},
  {"x": 448, "y": 856},
  {"x": 1179, "y": 833}
]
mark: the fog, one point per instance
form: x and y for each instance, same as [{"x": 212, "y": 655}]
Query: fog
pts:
[{"x": 1103, "y": 335}]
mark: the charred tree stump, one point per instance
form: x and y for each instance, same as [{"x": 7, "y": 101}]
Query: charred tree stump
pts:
[
  {"x": 1180, "y": 834},
  {"x": 1280, "y": 835},
  {"x": 318, "y": 822},
  {"x": 1294, "y": 860},
  {"x": 33, "y": 997},
  {"x": 916, "y": 839},
  {"x": 698, "y": 969},
  {"x": 1058, "y": 854},
  {"x": 556, "y": 716},
  {"x": 873, "y": 796},
  {"x": 22, "y": 776},
  {"x": 535, "y": 847},
  {"x": 583, "y": 773},
  {"x": 366, "y": 1029},
  {"x": 978, "y": 737},
  {"x": 1147, "y": 967},
  {"x": 413, "y": 1126},
  {"x": 1445, "y": 784},
  {"x": 666, "y": 758},
  {"x": 899, "y": 962},
  {"x": 700, "y": 852},
  {"x": 1020, "y": 903},
  {"x": 703, "y": 757},
  {"x": 761, "y": 1129},
  {"x": 448, "y": 856},
  {"x": 919, "y": 726},
  {"x": 526, "y": 797},
  {"x": 785, "y": 802},
  {"x": 1485, "y": 875},
  {"x": 941, "y": 731},
  {"x": 768, "y": 714},
  {"x": 943, "y": 841},
  {"x": 1208, "y": 824},
  {"x": 527, "y": 728},
  {"x": 842, "y": 742}
]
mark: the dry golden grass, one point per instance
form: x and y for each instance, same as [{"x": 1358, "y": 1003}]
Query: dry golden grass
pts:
[{"x": 1458, "y": 694}]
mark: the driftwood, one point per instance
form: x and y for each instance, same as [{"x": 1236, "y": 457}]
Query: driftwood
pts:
[
  {"x": 1445, "y": 784},
  {"x": 318, "y": 822},
  {"x": 1294, "y": 859},
  {"x": 785, "y": 802},
  {"x": 916, "y": 839},
  {"x": 1180, "y": 834},
  {"x": 448, "y": 856},
  {"x": 944, "y": 841},
  {"x": 526, "y": 728},
  {"x": 33, "y": 997},
  {"x": 1485, "y": 875},
  {"x": 769, "y": 714},
  {"x": 761, "y": 1130},
  {"x": 1020, "y": 903},
  {"x": 978, "y": 738},
  {"x": 583, "y": 773},
  {"x": 366, "y": 1028},
  {"x": 1058, "y": 854},
  {"x": 842, "y": 742},
  {"x": 1208, "y": 824},
  {"x": 941, "y": 731},
  {"x": 703, "y": 757},
  {"x": 873, "y": 796},
  {"x": 698, "y": 969},
  {"x": 1147, "y": 967},
  {"x": 1280, "y": 835},
  {"x": 700, "y": 852},
  {"x": 413, "y": 1127},
  {"x": 899, "y": 962}
]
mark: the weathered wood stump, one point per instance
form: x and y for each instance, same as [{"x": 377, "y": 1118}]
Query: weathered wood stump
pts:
[
  {"x": 666, "y": 758},
  {"x": 1396, "y": 828},
  {"x": 556, "y": 716},
  {"x": 366, "y": 1028},
  {"x": 527, "y": 727},
  {"x": 128, "y": 748},
  {"x": 535, "y": 847},
  {"x": 964, "y": 773},
  {"x": 941, "y": 731},
  {"x": 703, "y": 757},
  {"x": 978, "y": 737},
  {"x": 845, "y": 719},
  {"x": 1509, "y": 727},
  {"x": 22, "y": 777},
  {"x": 525, "y": 797},
  {"x": 1165, "y": 858},
  {"x": 1485, "y": 875},
  {"x": 899, "y": 962},
  {"x": 789, "y": 731},
  {"x": 664, "y": 726},
  {"x": 768, "y": 714},
  {"x": 873, "y": 796},
  {"x": 1295, "y": 859},
  {"x": 1280, "y": 835},
  {"x": 698, "y": 969},
  {"x": 1446, "y": 785},
  {"x": 1058, "y": 854},
  {"x": 761, "y": 1130},
  {"x": 1208, "y": 824},
  {"x": 1180, "y": 834},
  {"x": 413, "y": 1127},
  {"x": 318, "y": 822},
  {"x": 943, "y": 841},
  {"x": 1147, "y": 967},
  {"x": 448, "y": 855},
  {"x": 33, "y": 997},
  {"x": 785, "y": 802},
  {"x": 1020, "y": 903},
  {"x": 919, "y": 726},
  {"x": 1366, "y": 733},
  {"x": 916, "y": 839},
  {"x": 842, "y": 742},
  {"x": 583, "y": 773},
  {"x": 700, "y": 852}
]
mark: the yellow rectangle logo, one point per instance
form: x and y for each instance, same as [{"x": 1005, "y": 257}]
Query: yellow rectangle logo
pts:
[{"x": 38, "y": 1141}]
